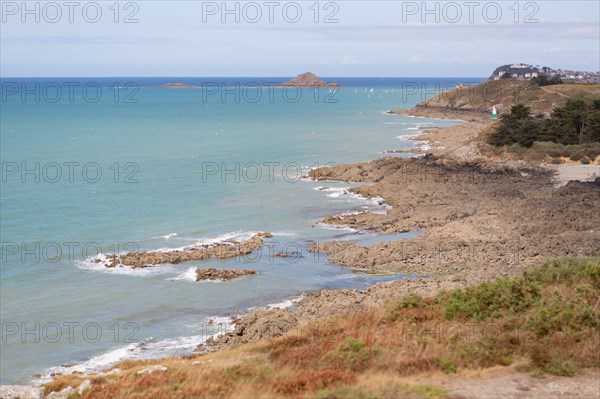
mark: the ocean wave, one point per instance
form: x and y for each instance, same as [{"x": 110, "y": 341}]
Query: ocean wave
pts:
[
  {"x": 188, "y": 275},
  {"x": 287, "y": 303},
  {"x": 96, "y": 264},
  {"x": 338, "y": 227},
  {"x": 409, "y": 136},
  {"x": 145, "y": 350},
  {"x": 165, "y": 237},
  {"x": 374, "y": 204}
]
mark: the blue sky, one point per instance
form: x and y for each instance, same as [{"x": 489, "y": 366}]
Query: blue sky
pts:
[{"x": 360, "y": 38}]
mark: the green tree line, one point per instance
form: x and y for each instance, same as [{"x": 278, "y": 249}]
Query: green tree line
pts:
[{"x": 577, "y": 122}]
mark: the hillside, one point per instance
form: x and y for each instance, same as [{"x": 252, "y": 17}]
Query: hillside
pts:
[{"x": 476, "y": 102}]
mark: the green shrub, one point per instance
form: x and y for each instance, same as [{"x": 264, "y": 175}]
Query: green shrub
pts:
[
  {"x": 490, "y": 299},
  {"x": 551, "y": 149},
  {"x": 577, "y": 155},
  {"x": 343, "y": 392},
  {"x": 352, "y": 354},
  {"x": 426, "y": 392},
  {"x": 585, "y": 160},
  {"x": 517, "y": 148},
  {"x": 446, "y": 365}
]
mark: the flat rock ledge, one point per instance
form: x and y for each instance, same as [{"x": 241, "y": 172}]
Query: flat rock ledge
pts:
[
  {"x": 224, "y": 274},
  {"x": 225, "y": 250}
]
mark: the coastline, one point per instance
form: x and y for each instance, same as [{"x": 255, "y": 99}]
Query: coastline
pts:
[
  {"x": 448, "y": 255},
  {"x": 452, "y": 163}
]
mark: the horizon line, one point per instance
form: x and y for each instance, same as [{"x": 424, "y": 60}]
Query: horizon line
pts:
[{"x": 238, "y": 76}]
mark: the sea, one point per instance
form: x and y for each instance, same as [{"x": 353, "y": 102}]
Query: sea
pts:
[{"x": 97, "y": 166}]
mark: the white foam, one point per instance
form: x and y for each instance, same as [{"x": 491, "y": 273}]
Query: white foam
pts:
[
  {"x": 409, "y": 136},
  {"x": 374, "y": 204},
  {"x": 288, "y": 303},
  {"x": 145, "y": 350},
  {"x": 423, "y": 146},
  {"x": 90, "y": 265},
  {"x": 188, "y": 275},
  {"x": 165, "y": 237},
  {"x": 239, "y": 235},
  {"x": 284, "y": 234},
  {"x": 338, "y": 227}
]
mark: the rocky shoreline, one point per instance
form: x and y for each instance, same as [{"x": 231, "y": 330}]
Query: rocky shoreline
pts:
[{"x": 481, "y": 219}]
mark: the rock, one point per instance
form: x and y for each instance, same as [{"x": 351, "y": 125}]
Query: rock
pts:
[
  {"x": 85, "y": 385},
  {"x": 293, "y": 254},
  {"x": 151, "y": 369},
  {"x": 113, "y": 371},
  {"x": 20, "y": 392},
  {"x": 224, "y": 274},
  {"x": 202, "y": 252},
  {"x": 308, "y": 80},
  {"x": 64, "y": 394}
]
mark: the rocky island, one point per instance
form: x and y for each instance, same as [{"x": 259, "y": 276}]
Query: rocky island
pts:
[{"x": 309, "y": 80}]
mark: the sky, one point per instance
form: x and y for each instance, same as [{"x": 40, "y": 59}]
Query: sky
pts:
[{"x": 285, "y": 38}]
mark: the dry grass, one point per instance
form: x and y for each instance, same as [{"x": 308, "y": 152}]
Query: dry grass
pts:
[{"x": 544, "y": 322}]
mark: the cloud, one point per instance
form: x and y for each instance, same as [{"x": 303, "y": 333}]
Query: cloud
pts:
[
  {"x": 57, "y": 40},
  {"x": 417, "y": 59},
  {"x": 347, "y": 60},
  {"x": 543, "y": 30},
  {"x": 552, "y": 50}
]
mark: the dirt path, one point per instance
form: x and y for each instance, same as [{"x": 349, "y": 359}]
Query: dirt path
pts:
[{"x": 512, "y": 384}]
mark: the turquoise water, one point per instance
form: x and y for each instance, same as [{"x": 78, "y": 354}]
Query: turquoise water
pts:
[{"x": 82, "y": 177}]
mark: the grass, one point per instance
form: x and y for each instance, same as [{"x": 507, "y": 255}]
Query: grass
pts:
[{"x": 544, "y": 321}]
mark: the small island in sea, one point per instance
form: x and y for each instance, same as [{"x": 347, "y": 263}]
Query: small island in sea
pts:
[
  {"x": 309, "y": 80},
  {"x": 177, "y": 86}
]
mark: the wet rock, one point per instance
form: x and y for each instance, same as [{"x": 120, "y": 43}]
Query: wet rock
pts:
[{"x": 224, "y": 274}]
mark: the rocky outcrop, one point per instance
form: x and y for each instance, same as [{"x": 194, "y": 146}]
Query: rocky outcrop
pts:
[
  {"x": 329, "y": 247},
  {"x": 20, "y": 392},
  {"x": 481, "y": 218},
  {"x": 225, "y": 274},
  {"x": 316, "y": 308},
  {"x": 309, "y": 80},
  {"x": 206, "y": 251}
]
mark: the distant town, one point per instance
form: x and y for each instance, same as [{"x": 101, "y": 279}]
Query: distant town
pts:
[{"x": 526, "y": 71}]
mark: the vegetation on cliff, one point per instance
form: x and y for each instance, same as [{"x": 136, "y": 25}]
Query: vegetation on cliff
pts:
[{"x": 577, "y": 122}]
